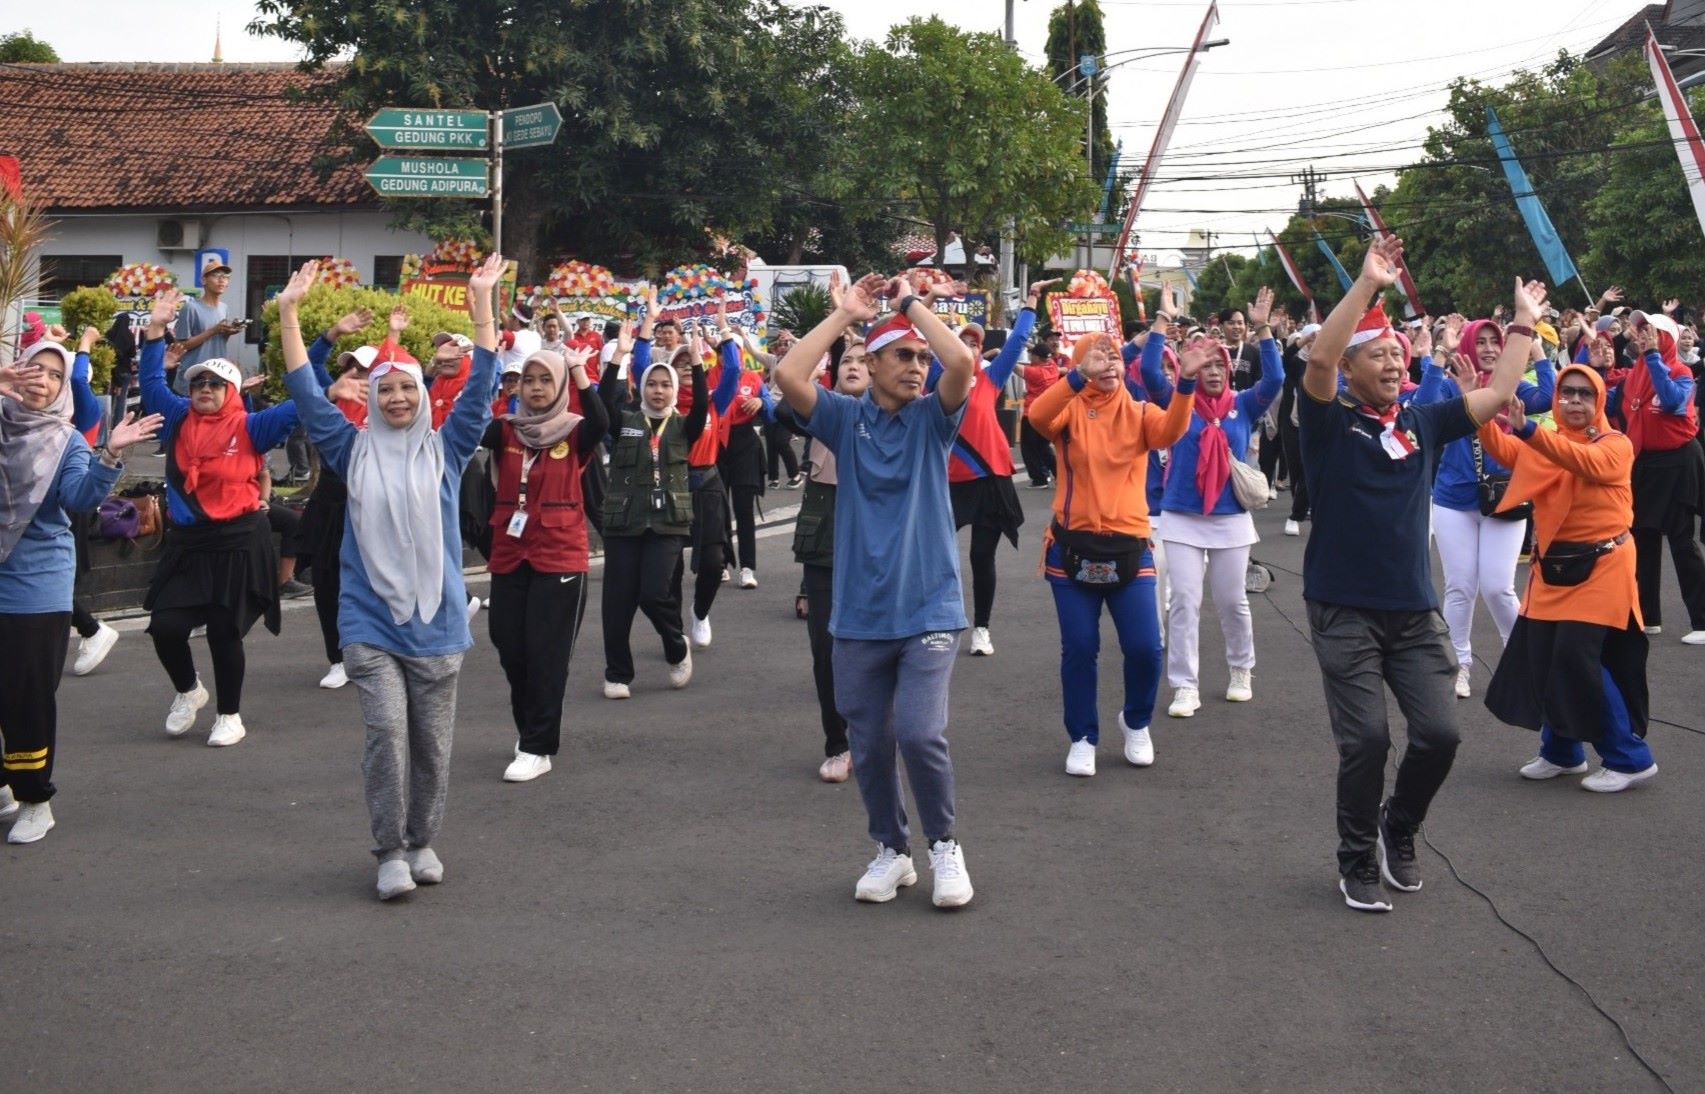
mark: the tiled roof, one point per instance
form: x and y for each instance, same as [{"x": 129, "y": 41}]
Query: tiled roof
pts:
[
  {"x": 180, "y": 137},
  {"x": 1632, "y": 36}
]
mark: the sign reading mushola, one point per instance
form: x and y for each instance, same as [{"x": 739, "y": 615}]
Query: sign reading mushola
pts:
[{"x": 1076, "y": 316}]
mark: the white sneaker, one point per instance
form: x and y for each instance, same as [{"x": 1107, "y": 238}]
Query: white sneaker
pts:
[
  {"x": 525, "y": 767},
  {"x": 1654, "y": 630},
  {"x": 1602, "y": 781},
  {"x": 698, "y": 631},
  {"x": 1139, "y": 746},
  {"x": 473, "y": 607},
  {"x": 92, "y": 650},
  {"x": 394, "y": 879},
  {"x": 1080, "y": 759},
  {"x": 1272, "y": 492},
  {"x": 981, "y": 645},
  {"x": 887, "y": 874},
  {"x": 682, "y": 671},
  {"x": 1185, "y": 703},
  {"x": 1240, "y": 690},
  {"x": 227, "y": 730},
  {"x": 1463, "y": 688},
  {"x": 1292, "y": 528},
  {"x": 34, "y": 819},
  {"x": 1541, "y": 768},
  {"x": 1693, "y": 638},
  {"x": 952, "y": 883},
  {"x": 184, "y": 707},
  {"x": 726, "y": 576},
  {"x": 8, "y": 803},
  {"x": 613, "y": 690},
  {"x": 748, "y": 579},
  {"x": 336, "y": 677}
]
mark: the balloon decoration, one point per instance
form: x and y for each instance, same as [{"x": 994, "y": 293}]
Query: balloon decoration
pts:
[
  {"x": 140, "y": 279},
  {"x": 579, "y": 278},
  {"x": 339, "y": 273},
  {"x": 1088, "y": 283}
]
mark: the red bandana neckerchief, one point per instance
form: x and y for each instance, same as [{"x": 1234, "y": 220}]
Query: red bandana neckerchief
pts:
[{"x": 1397, "y": 445}]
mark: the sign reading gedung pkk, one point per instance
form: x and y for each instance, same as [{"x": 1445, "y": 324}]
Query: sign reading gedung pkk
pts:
[{"x": 1076, "y": 316}]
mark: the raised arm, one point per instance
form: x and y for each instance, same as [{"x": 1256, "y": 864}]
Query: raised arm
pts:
[
  {"x": 594, "y": 414},
  {"x": 1379, "y": 272},
  {"x": 793, "y": 373},
  {"x": 1254, "y": 401},
  {"x": 1536, "y": 396},
  {"x": 693, "y": 427},
  {"x": 958, "y": 362},
  {"x": 1000, "y": 369},
  {"x": 157, "y": 395},
  {"x": 461, "y": 430},
  {"x": 85, "y": 408},
  {"x": 1484, "y": 403},
  {"x": 1176, "y": 422},
  {"x": 1674, "y": 395}
]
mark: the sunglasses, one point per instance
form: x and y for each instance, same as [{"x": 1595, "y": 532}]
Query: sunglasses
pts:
[
  {"x": 907, "y": 356},
  {"x": 1576, "y": 394},
  {"x": 207, "y": 382}
]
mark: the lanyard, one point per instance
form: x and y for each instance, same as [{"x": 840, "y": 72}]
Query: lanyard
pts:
[
  {"x": 528, "y": 457},
  {"x": 656, "y": 456}
]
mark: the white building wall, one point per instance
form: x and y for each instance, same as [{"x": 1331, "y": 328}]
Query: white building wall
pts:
[{"x": 357, "y": 236}]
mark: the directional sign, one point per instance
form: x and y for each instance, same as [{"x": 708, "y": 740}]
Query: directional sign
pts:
[
  {"x": 1078, "y": 227},
  {"x": 531, "y": 126},
  {"x": 431, "y": 130},
  {"x": 409, "y": 177}
]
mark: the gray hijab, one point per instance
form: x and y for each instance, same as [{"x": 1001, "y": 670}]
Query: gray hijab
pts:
[{"x": 32, "y": 446}]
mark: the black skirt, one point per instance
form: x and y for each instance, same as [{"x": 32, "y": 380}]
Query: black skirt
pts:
[
  {"x": 988, "y": 502},
  {"x": 322, "y": 519},
  {"x": 1669, "y": 489},
  {"x": 230, "y": 566},
  {"x": 741, "y": 460},
  {"x": 1550, "y": 675},
  {"x": 712, "y": 518}
]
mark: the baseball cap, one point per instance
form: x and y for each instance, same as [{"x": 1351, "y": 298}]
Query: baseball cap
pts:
[
  {"x": 463, "y": 342},
  {"x": 1664, "y": 323},
  {"x": 360, "y": 357},
  {"x": 220, "y": 367},
  {"x": 514, "y": 368},
  {"x": 213, "y": 264}
]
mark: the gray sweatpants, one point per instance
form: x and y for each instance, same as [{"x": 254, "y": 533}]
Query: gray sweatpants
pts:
[
  {"x": 409, "y": 705},
  {"x": 893, "y": 694}
]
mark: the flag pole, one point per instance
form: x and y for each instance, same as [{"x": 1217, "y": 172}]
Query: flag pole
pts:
[{"x": 1591, "y": 299}]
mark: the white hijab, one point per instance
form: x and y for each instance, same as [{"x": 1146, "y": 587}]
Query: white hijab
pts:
[{"x": 394, "y": 479}]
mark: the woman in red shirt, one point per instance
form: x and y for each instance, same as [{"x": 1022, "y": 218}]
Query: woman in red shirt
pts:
[{"x": 539, "y": 548}]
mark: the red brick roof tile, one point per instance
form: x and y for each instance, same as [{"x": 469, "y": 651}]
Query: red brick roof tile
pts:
[{"x": 180, "y": 137}]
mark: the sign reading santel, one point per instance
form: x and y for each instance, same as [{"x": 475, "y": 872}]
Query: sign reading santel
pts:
[{"x": 450, "y": 130}]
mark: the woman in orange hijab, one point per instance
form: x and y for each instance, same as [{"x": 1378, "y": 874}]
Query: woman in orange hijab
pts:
[{"x": 1575, "y": 665}]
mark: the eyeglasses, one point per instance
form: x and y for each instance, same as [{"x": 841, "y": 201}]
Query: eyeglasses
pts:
[
  {"x": 207, "y": 382},
  {"x": 908, "y": 356},
  {"x": 1576, "y": 394}
]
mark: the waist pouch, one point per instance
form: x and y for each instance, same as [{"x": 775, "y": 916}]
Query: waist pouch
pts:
[
  {"x": 1099, "y": 560},
  {"x": 1565, "y": 564}
]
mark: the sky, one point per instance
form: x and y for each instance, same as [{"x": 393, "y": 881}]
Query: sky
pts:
[{"x": 1349, "y": 86}]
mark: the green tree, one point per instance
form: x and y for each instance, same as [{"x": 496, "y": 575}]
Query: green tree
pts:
[
  {"x": 963, "y": 128},
  {"x": 1075, "y": 29},
  {"x": 1642, "y": 230},
  {"x": 22, "y": 47}
]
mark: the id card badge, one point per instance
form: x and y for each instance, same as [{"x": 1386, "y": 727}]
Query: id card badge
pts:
[{"x": 517, "y": 523}]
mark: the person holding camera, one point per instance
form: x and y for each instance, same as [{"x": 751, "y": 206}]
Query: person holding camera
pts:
[{"x": 203, "y": 325}]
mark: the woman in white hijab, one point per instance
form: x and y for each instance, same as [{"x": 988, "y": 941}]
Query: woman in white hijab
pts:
[{"x": 399, "y": 611}]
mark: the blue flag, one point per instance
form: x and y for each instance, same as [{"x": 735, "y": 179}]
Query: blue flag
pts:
[
  {"x": 1337, "y": 267},
  {"x": 1545, "y": 237},
  {"x": 1190, "y": 276},
  {"x": 1260, "y": 251}
]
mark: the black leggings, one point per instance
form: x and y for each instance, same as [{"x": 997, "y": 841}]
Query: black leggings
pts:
[
  {"x": 639, "y": 576},
  {"x": 1291, "y": 438},
  {"x": 535, "y": 618},
  {"x": 1038, "y": 453},
  {"x": 819, "y": 600},
  {"x": 34, "y": 660},
  {"x": 708, "y": 562},
  {"x": 83, "y": 619},
  {"x": 778, "y": 441},
  {"x": 328, "y": 584},
  {"x": 984, "y": 540},
  {"x": 1689, "y": 573},
  {"x": 170, "y": 627},
  {"x": 745, "y": 526}
]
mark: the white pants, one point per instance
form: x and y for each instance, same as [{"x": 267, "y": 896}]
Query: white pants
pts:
[
  {"x": 1479, "y": 556},
  {"x": 1225, "y": 570}
]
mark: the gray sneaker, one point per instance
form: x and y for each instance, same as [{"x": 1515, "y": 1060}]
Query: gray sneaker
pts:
[
  {"x": 1397, "y": 856},
  {"x": 1361, "y": 888}
]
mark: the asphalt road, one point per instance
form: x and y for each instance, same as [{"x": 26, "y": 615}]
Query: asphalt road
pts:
[{"x": 671, "y": 908}]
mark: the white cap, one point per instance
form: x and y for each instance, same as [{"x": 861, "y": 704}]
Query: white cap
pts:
[
  {"x": 514, "y": 368},
  {"x": 360, "y": 357},
  {"x": 220, "y": 367},
  {"x": 1662, "y": 322},
  {"x": 463, "y": 342}
]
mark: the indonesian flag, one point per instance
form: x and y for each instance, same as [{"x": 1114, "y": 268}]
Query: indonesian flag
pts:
[
  {"x": 1406, "y": 283},
  {"x": 1168, "y": 122},
  {"x": 1294, "y": 274},
  {"x": 11, "y": 177},
  {"x": 1683, "y": 133}
]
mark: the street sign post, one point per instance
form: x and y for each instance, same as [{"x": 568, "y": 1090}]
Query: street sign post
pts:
[
  {"x": 433, "y": 130},
  {"x": 418, "y": 177},
  {"x": 1079, "y": 227},
  {"x": 531, "y": 126}
]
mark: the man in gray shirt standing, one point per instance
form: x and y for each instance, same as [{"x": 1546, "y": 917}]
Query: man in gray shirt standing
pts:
[{"x": 202, "y": 325}]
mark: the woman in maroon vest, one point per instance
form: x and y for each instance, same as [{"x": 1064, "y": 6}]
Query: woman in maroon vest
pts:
[{"x": 539, "y": 547}]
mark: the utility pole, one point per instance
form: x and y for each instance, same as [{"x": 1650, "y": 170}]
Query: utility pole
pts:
[
  {"x": 1310, "y": 181},
  {"x": 1005, "y": 270}
]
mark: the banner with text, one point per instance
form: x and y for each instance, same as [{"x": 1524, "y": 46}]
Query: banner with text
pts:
[{"x": 1076, "y": 316}]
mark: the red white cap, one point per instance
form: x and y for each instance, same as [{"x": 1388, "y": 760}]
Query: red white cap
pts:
[
  {"x": 1660, "y": 321},
  {"x": 892, "y": 330},
  {"x": 1373, "y": 325}
]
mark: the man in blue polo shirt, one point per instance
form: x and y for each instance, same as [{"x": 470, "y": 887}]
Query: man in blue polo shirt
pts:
[
  {"x": 898, "y": 608},
  {"x": 1372, "y": 612}
]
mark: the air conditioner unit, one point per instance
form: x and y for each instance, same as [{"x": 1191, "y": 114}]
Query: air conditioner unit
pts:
[{"x": 178, "y": 235}]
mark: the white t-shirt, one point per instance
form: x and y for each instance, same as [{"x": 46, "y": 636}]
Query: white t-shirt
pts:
[{"x": 527, "y": 343}]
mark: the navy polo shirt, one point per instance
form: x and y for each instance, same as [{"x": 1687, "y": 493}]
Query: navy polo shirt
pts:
[{"x": 1369, "y": 544}]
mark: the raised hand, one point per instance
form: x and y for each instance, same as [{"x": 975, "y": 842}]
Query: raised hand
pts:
[
  {"x": 1034, "y": 296},
  {"x": 624, "y": 338},
  {"x": 163, "y": 310},
  {"x": 1612, "y": 295},
  {"x": 1194, "y": 356},
  {"x": 399, "y": 320},
  {"x": 133, "y": 430},
  {"x": 1646, "y": 338},
  {"x": 1517, "y": 415},
  {"x": 1383, "y": 261},
  {"x": 1462, "y": 370},
  {"x": 1422, "y": 343},
  {"x": 944, "y": 290},
  {"x": 175, "y": 353},
  {"x": 1529, "y": 302},
  {"x": 1670, "y": 305},
  {"x": 1168, "y": 309},
  {"x": 484, "y": 279},
  {"x": 57, "y": 333},
  {"x": 350, "y": 324},
  {"x": 17, "y": 374},
  {"x": 91, "y": 335},
  {"x": 253, "y": 382},
  {"x": 298, "y": 285},
  {"x": 1258, "y": 312},
  {"x": 858, "y": 303},
  {"x": 348, "y": 388}
]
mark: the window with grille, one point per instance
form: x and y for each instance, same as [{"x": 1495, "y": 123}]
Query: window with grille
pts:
[
  {"x": 62, "y": 273},
  {"x": 263, "y": 278},
  {"x": 387, "y": 272}
]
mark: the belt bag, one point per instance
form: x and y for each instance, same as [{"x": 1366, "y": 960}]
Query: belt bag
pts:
[
  {"x": 1490, "y": 491},
  {"x": 1099, "y": 561},
  {"x": 1248, "y": 486},
  {"x": 1566, "y": 564}
]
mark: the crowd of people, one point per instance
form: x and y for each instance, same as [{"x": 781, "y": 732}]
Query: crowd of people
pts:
[{"x": 1569, "y": 439}]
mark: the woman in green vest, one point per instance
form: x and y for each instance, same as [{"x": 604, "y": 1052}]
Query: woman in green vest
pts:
[{"x": 648, "y": 512}]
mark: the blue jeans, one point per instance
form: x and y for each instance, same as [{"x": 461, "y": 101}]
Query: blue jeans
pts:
[
  {"x": 1619, "y": 748},
  {"x": 893, "y": 694},
  {"x": 1079, "y": 610}
]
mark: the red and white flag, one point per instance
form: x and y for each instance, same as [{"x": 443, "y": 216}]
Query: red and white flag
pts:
[
  {"x": 1295, "y": 275},
  {"x": 1168, "y": 122},
  {"x": 1406, "y": 283},
  {"x": 1682, "y": 131}
]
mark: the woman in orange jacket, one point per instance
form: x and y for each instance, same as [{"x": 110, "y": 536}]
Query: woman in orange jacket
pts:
[
  {"x": 1575, "y": 665},
  {"x": 1096, "y": 550}
]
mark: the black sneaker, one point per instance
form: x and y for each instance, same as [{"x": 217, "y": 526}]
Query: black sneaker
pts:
[
  {"x": 1397, "y": 856},
  {"x": 1361, "y": 888}
]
